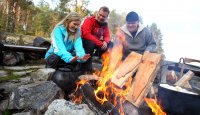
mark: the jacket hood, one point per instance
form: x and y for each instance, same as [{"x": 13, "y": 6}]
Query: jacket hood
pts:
[{"x": 125, "y": 30}]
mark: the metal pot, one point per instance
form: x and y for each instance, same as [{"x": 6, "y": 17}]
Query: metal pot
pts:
[
  {"x": 177, "y": 102},
  {"x": 65, "y": 78}
]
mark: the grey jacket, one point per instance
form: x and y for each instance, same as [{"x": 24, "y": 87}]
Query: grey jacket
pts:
[{"x": 143, "y": 40}]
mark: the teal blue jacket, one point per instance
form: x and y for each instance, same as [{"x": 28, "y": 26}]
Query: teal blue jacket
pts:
[{"x": 62, "y": 46}]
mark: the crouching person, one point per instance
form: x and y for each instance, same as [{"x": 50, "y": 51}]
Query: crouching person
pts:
[{"x": 66, "y": 53}]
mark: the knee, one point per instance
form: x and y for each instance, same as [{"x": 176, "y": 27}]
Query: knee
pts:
[
  {"x": 88, "y": 43},
  {"x": 89, "y": 46},
  {"x": 52, "y": 61}
]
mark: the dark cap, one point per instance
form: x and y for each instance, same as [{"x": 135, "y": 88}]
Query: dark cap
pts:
[{"x": 132, "y": 17}]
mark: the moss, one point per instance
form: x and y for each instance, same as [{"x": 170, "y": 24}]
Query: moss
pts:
[
  {"x": 6, "y": 112},
  {"x": 9, "y": 77}
]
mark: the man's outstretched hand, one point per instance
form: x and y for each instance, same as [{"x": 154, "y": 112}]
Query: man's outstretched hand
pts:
[{"x": 104, "y": 46}]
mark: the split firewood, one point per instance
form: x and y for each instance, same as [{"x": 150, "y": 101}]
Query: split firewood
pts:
[
  {"x": 141, "y": 82},
  {"x": 120, "y": 82},
  {"x": 187, "y": 85},
  {"x": 144, "y": 78},
  {"x": 126, "y": 69},
  {"x": 183, "y": 81}
]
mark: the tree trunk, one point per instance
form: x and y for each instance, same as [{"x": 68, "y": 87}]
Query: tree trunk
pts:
[{"x": 7, "y": 16}]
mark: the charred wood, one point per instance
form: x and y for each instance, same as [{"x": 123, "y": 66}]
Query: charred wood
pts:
[{"x": 90, "y": 100}]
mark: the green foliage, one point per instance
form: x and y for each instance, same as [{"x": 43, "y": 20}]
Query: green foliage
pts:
[
  {"x": 114, "y": 21},
  {"x": 44, "y": 6},
  {"x": 62, "y": 7},
  {"x": 74, "y": 5},
  {"x": 158, "y": 37},
  {"x": 37, "y": 20},
  {"x": 7, "y": 112},
  {"x": 2, "y": 21},
  {"x": 24, "y": 4},
  {"x": 41, "y": 23}
]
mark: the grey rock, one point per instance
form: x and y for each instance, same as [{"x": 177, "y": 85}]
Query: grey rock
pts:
[
  {"x": 19, "y": 68},
  {"x": 4, "y": 105},
  {"x": 63, "y": 107},
  {"x": 42, "y": 74},
  {"x": 36, "y": 96},
  {"x": 22, "y": 73},
  {"x": 3, "y": 73},
  {"x": 24, "y": 113}
]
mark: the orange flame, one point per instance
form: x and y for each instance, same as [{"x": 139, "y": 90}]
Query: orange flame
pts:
[
  {"x": 111, "y": 60},
  {"x": 81, "y": 82},
  {"x": 120, "y": 37},
  {"x": 77, "y": 99},
  {"x": 154, "y": 106}
]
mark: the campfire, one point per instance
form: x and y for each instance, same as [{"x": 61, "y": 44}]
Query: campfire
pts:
[
  {"x": 111, "y": 87},
  {"x": 105, "y": 90}
]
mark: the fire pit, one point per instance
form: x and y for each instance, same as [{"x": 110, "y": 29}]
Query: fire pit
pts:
[{"x": 110, "y": 94}]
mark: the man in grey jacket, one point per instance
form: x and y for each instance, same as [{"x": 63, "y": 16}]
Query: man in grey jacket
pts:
[{"x": 138, "y": 38}]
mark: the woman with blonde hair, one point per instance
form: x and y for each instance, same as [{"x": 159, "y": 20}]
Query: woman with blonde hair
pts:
[
  {"x": 66, "y": 53},
  {"x": 66, "y": 46}
]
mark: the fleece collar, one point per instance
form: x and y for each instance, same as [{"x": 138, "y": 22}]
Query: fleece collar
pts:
[{"x": 125, "y": 30}]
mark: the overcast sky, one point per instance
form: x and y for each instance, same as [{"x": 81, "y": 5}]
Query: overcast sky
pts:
[{"x": 178, "y": 20}]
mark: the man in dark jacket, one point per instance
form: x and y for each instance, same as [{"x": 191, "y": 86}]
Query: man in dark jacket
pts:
[
  {"x": 138, "y": 38},
  {"x": 96, "y": 35}
]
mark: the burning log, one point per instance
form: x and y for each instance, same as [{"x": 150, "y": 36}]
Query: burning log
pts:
[
  {"x": 107, "y": 107},
  {"x": 89, "y": 98},
  {"x": 130, "y": 109},
  {"x": 144, "y": 77},
  {"x": 126, "y": 69}
]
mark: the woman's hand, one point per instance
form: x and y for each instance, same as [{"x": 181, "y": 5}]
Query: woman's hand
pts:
[
  {"x": 85, "y": 57},
  {"x": 75, "y": 58}
]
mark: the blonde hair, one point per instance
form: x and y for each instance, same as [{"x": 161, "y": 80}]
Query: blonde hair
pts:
[{"x": 72, "y": 16}]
